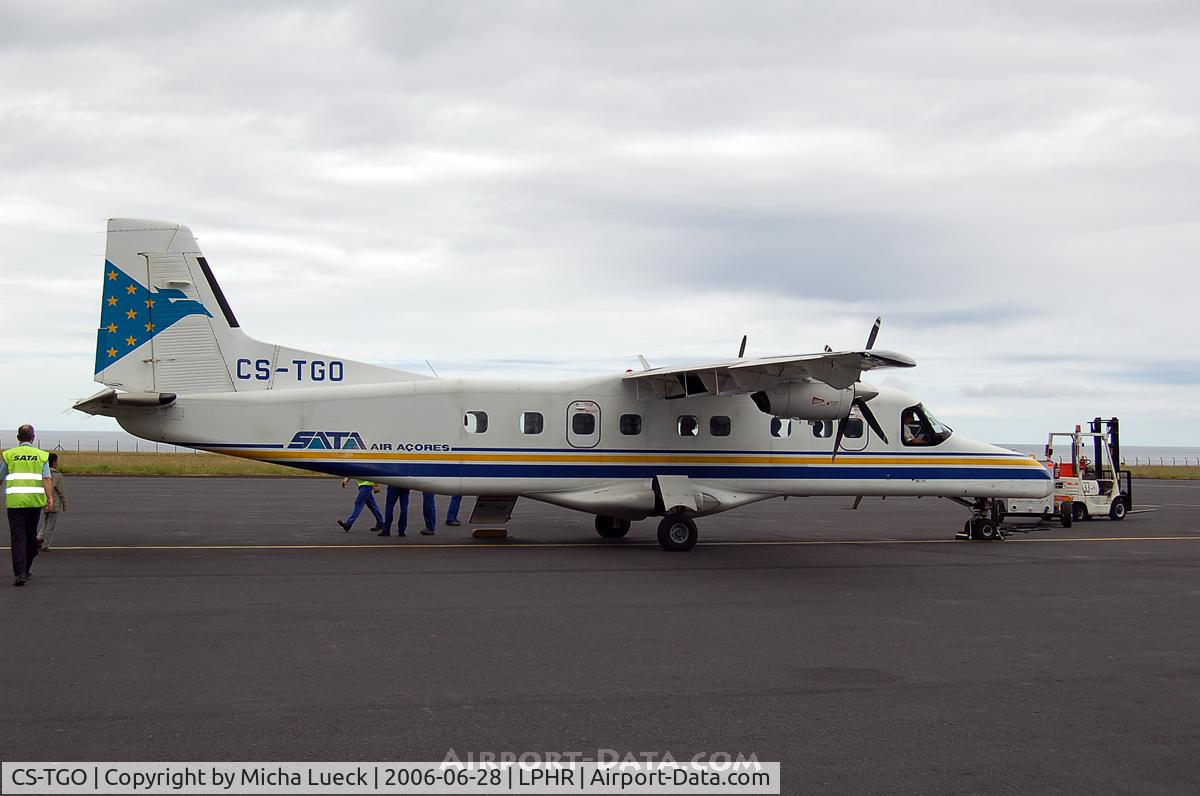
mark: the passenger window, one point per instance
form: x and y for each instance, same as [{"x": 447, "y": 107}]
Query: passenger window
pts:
[
  {"x": 822, "y": 429},
  {"x": 631, "y": 425},
  {"x": 583, "y": 424},
  {"x": 719, "y": 426},
  {"x": 475, "y": 422},
  {"x": 781, "y": 427},
  {"x": 531, "y": 423},
  {"x": 689, "y": 426},
  {"x": 854, "y": 427}
]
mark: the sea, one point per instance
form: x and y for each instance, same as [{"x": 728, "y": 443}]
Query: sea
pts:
[{"x": 120, "y": 441}]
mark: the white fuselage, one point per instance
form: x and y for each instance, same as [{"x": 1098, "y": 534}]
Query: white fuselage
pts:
[{"x": 412, "y": 434}]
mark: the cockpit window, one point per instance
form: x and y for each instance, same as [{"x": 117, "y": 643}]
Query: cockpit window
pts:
[{"x": 919, "y": 428}]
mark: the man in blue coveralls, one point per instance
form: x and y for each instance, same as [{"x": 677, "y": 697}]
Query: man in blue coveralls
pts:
[
  {"x": 396, "y": 494},
  {"x": 365, "y": 497}
]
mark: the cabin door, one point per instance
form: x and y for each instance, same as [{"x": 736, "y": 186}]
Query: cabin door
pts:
[{"x": 583, "y": 424}]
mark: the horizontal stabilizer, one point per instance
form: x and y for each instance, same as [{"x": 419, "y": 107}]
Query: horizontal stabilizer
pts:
[{"x": 110, "y": 403}]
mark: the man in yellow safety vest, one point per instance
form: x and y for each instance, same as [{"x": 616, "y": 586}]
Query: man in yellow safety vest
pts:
[{"x": 25, "y": 473}]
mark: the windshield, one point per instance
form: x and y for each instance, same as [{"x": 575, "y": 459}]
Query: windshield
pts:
[{"x": 919, "y": 428}]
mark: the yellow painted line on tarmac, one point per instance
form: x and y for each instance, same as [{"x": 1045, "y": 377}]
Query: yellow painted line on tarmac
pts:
[
  {"x": 526, "y": 545},
  {"x": 1192, "y": 538}
]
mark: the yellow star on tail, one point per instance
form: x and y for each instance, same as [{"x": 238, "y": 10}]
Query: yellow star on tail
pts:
[
  {"x": 112, "y": 276},
  {"x": 131, "y": 339},
  {"x": 149, "y": 302},
  {"x": 112, "y": 301},
  {"x": 112, "y": 328},
  {"x": 112, "y": 352},
  {"x": 149, "y": 327},
  {"x": 131, "y": 289},
  {"x": 131, "y": 314}
]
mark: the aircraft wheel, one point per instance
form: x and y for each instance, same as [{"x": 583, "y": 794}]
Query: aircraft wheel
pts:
[
  {"x": 1079, "y": 511},
  {"x": 611, "y": 527},
  {"x": 677, "y": 533},
  {"x": 985, "y": 530},
  {"x": 1066, "y": 516},
  {"x": 1118, "y": 510}
]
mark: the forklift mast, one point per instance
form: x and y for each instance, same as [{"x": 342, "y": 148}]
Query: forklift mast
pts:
[{"x": 1111, "y": 427}]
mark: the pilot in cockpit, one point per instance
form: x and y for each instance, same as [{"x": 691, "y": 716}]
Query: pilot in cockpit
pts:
[{"x": 913, "y": 430}]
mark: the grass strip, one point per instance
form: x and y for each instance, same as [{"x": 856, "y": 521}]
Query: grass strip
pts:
[{"x": 197, "y": 464}]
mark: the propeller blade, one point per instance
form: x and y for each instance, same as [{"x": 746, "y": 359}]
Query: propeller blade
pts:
[
  {"x": 837, "y": 439},
  {"x": 874, "y": 333},
  {"x": 742, "y": 349},
  {"x": 869, "y": 416},
  {"x": 857, "y": 500}
]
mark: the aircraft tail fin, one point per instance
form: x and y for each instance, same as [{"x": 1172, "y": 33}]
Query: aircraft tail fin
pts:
[{"x": 166, "y": 325}]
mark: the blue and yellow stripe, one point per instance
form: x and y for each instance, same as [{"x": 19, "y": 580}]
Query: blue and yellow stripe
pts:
[{"x": 550, "y": 463}]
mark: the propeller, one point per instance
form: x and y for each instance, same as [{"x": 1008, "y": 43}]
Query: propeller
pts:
[
  {"x": 874, "y": 333},
  {"x": 862, "y": 394},
  {"x": 742, "y": 349}
]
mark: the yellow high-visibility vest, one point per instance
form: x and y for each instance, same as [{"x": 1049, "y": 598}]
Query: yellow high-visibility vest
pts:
[{"x": 23, "y": 487}]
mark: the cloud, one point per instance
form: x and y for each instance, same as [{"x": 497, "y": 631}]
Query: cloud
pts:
[
  {"x": 1039, "y": 389},
  {"x": 520, "y": 188}
]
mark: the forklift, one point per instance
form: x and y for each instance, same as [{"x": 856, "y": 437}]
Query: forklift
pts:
[{"x": 1088, "y": 479}]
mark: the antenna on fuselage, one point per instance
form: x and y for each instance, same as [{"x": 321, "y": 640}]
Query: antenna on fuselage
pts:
[
  {"x": 431, "y": 370},
  {"x": 742, "y": 349}
]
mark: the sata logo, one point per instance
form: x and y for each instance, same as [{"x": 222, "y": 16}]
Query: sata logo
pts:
[{"x": 327, "y": 441}]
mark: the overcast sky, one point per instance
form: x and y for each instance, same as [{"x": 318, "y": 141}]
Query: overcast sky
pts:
[{"x": 546, "y": 189}]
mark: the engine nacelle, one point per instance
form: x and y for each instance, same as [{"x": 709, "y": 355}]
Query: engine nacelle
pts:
[{"x": 805, "y": 400}]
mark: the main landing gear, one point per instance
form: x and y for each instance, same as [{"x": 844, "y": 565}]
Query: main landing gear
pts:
[
  {"x": 611, "y": 527},
  {"x": 677, "y": 532}
]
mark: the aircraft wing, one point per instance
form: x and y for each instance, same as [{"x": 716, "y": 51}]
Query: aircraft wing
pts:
[{"x": 838, "y": 369}]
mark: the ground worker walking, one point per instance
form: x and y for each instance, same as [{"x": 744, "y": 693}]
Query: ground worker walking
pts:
[
  {"x": 365, "y": 497},
  {"x": 45, "y": 535},
  {"x": 27, "y": 489}
]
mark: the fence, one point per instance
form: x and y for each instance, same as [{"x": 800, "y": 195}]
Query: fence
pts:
[
  {"x": 138, "y": 446},
  {"x": 1164, "y": 461}
]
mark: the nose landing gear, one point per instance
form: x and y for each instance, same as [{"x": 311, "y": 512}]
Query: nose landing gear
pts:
[{"x": 984, "y": 525}]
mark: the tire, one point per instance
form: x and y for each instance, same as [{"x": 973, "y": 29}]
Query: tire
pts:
[
  {"x": 1066, "y": 516},
  {"x": 677, "y": 533},
  {"x": 611, "y": 527},
  {"x": 986, "y": 531},
  {"x": 1118, "y": 510},
  {"x": 1079, "y": 511}
]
